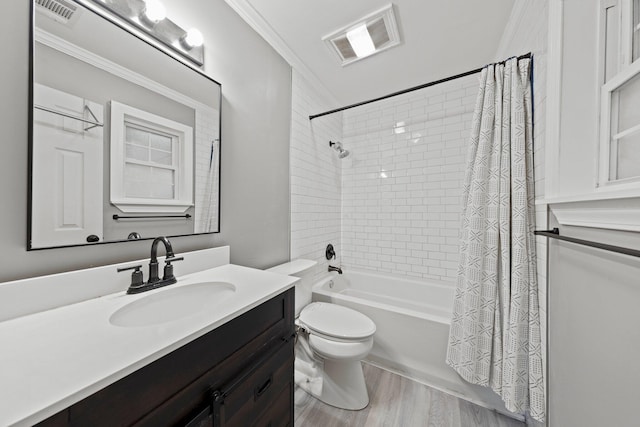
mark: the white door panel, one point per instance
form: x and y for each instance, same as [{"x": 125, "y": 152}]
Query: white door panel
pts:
[{"x": 67, "y": 170}]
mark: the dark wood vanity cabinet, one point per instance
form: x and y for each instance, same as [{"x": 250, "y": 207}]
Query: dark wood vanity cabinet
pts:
[{"x": 239, "y": 374}]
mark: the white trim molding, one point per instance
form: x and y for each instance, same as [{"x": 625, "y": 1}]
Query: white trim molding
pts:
[
  {"x": 613, "y": 214},
  {"x": 74, "y": 51},
  {"x": 554, "y": 97},
  {"x": 251, "y": 16},
  {"x": 518, "y": 13}
]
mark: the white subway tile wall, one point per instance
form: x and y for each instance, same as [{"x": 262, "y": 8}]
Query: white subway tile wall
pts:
[
  {"x": 315, "y": 176},
  {"x": 402, "y": 183}
]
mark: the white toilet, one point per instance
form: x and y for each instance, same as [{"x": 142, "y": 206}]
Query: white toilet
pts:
[{"x": 332, "y": 340}]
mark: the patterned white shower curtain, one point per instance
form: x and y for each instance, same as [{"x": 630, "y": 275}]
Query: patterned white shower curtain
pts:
[
  {"x": 208, "y": 221},
  {"x": 494, "y": 339}
]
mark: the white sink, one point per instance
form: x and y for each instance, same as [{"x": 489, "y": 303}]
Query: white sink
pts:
[{"x": 170, "y": 304}]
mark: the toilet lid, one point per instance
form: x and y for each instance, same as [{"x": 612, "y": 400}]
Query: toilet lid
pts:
[{"x": 337, "y": 321}]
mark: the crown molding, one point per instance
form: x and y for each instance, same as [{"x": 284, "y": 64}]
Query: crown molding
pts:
[
  {"x": 91, "y": 58},
  {"x": 513, "y": 25},
  {"x": 251, "y": 16}
]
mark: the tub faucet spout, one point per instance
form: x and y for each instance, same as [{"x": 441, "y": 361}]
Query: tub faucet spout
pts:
[{"x": 338, "y": 269}]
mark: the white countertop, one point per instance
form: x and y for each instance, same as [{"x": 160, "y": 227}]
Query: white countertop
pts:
[{"x": 53, "y": 359}]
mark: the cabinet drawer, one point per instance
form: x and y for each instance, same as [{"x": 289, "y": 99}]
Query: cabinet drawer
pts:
[
  {"x": 258, "y": 392},
  {"x": 279, "y": 413}
]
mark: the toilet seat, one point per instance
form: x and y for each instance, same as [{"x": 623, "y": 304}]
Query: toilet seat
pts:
[
  {"x": 336, "y": 322},
  {"x": 331, "y": 341},
  {"x": 340, "y": 349}
]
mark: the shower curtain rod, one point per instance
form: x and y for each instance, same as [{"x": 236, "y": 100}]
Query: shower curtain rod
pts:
[{"x": 411, "y": 89}]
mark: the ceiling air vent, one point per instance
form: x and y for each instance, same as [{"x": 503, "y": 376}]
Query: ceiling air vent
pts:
[
  {"x": 61, "y": 10},
  {"x": 369, "y": 35}
]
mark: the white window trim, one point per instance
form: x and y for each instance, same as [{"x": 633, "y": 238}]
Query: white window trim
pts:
[
  {"x": 614, "y": 205},
  {"x": 626, "y": 33},
  {"x": 184, "y": 180},
  {"x": 604, "y": 5},
  {"x": 626, "y": 71},
  {"x": 604, "y": 184}
]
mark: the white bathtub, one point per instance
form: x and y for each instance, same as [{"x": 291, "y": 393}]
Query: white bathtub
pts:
[{"x": 412, "y": 320}]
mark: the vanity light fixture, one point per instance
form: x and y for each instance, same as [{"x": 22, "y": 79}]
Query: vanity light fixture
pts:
[
  {"x": 154, "y": 11},
  {"x": 192, "y": 38},
  {"x": 150, "y": 17}
]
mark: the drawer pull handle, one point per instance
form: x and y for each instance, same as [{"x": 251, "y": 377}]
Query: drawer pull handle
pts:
[{"x": 261, "y": 389}]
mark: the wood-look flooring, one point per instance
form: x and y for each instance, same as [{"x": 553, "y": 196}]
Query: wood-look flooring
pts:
[{"x": 398, "y": 401}]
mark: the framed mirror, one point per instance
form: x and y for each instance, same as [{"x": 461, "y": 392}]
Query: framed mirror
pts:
[{"x": 125, "y": 138}]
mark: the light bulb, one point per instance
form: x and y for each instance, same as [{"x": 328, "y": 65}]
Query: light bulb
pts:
[
  {"x": 360, "y": 41},
  {"x": 193, "y": 38},
  {"x": 154, "y": 10}
]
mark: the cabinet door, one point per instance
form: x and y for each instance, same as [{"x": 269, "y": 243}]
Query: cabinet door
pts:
[
  {"x": 263, "y": 396},
  {"x": 279, "y": 413}
]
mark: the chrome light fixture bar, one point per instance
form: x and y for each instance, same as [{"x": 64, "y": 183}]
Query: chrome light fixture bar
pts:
[{"x": 149, "y": 16}]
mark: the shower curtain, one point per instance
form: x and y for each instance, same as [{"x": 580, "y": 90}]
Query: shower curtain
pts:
[
  {"x": 208, "y": 222},
  {"x": 494, "y": 339}
]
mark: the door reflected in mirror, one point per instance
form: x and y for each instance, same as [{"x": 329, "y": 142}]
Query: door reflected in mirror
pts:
[{"x": 125, "y": 138}]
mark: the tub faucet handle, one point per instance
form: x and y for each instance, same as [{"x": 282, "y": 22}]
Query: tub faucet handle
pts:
[{"x": 330, "y": 253}]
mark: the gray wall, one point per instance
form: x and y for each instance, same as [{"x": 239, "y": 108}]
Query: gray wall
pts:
[
  {"x": 256, "y": 110},
  {"x": 594, "y": 333}
]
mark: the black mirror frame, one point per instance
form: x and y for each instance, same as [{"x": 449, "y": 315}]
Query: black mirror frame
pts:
[{"x": 115, "y": 20}]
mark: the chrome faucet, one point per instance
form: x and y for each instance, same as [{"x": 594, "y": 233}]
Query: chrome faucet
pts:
[
  {"x": 137, "y": 283},
  {"x": 338, "y": 269}
]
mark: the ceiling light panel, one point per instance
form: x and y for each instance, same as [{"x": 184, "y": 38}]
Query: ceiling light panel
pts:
[
  {"x": 372, "y": 34},
  {"x": 360, "y": 41}
]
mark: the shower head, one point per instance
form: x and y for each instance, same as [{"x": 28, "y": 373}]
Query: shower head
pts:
[
  {"x": 342, "y": 153},
  {"x": 335, "y": 145}
]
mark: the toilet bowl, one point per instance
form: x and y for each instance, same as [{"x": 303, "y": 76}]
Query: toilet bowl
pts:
[{"x": 332, "y": 340}]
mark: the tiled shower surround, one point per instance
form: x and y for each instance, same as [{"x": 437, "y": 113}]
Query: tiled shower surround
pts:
[
  {"x": 402, "y": 183},
  {"x": 315, "y": 176}
]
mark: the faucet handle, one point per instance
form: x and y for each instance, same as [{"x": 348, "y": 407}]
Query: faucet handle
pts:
[
  {"x": 168, "y": 268},
  {"x": 330, "y": 253},
  {"x": 132, "y": 267},
  {"x": 136, "y": 277}
]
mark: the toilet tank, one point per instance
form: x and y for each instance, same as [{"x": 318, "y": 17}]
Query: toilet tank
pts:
[{"x": 302, "y": 268}]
